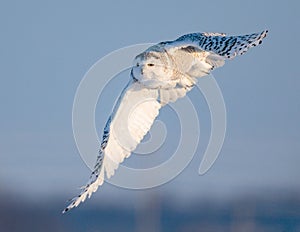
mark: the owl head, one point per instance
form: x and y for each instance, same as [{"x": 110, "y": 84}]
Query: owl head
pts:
[{"x": 152, "y": 68}]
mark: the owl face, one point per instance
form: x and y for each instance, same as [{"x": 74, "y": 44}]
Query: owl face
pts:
[{"x": 151, "y": 68}]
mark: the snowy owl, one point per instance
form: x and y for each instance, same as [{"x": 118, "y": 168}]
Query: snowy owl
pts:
[{"x": 160, "y": 75}]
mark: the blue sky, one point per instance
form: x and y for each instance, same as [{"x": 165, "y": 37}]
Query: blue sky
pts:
[{"x": 46, "y": 48}]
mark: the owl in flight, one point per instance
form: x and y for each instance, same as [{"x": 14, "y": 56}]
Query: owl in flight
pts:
[{"x": 160, "y": 75}]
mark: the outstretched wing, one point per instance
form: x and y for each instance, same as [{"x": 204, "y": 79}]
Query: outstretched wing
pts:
[
  {"x": 131, "y": 119},
  {"x": 197, "y": 54},
  {"x": 220, "y": 44}
]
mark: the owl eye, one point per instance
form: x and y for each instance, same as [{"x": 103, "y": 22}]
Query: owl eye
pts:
[
  {"x": 150, "y": 65},
  {"x": 137, "y": 65}
]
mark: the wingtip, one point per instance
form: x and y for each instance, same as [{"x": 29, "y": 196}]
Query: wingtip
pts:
[{"x": 265, "y": 32}]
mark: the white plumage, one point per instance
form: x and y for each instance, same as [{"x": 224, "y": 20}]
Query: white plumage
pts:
[{"x": 161, "y": 74}]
